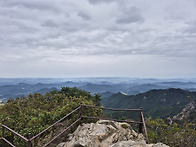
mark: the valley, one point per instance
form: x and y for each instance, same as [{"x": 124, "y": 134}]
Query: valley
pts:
[{"x": 106, "y": 86}]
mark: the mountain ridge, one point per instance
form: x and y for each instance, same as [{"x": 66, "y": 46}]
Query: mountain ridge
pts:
[{"x": 161, "y": 103}]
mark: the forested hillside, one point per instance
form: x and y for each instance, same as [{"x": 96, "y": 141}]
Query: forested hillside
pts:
[
  {"x": 32, "y": 114},
  {"x": 170, "y": 114},
  {"x": 155, "y": 103}
]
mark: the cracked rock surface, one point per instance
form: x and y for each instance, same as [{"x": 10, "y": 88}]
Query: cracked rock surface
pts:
[{"x": 106, "y": 134}]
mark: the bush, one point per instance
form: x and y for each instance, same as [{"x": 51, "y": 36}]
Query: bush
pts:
[{"x": 180, "y": 135}]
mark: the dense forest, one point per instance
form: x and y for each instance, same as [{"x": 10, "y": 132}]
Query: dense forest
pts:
[
  {"x": 157, "y": 103},
  {"x": 35, "y": 112}
]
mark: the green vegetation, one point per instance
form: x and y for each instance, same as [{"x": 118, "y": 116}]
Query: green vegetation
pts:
[
  {"x": 155, "y": 103},
  {"x": 125, "y": 126},
  {"x": 180, "y": 135},
  {"x": 32, "y": 114},
  {"x": 158, "y": 105}
]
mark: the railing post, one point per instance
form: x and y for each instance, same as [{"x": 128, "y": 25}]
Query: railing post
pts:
[
  {"x": 144, "y": 125},
  {"x": 141, "y": 124},
  {"x": 29, "y": 141},
  {"x": 3, "y": 134}
]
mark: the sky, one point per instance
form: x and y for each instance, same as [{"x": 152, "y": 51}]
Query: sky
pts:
[{"x": 98, "y": 38}]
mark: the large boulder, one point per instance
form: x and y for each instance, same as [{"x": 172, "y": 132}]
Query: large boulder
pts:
[
  {"x": 106, "y": 134},
  {"x": 141, "y": 143}
]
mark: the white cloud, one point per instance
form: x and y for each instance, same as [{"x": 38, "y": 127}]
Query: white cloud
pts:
[{"x": 85, "y": 33}]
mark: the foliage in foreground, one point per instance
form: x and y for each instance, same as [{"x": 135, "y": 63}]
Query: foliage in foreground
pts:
[
  {"x": 174, "y": 135},
  {"x": 181, "y": 133},
  {"x": 32, "y": 114}
]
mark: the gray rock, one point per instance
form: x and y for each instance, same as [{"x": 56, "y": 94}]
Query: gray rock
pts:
[
  {"x": 106, "y": 134},
  {"x": 62, "y": 144},
  {"x": 141, "y": 143},
  {"x": 159, "y": 145},
  {"x": 130, "y": 143},
  {"x": 80, "y": 143}
]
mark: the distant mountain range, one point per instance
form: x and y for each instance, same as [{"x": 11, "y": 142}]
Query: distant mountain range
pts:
[
  {"x": 158, "y": 98},
  {"x": 12, "y": 88},
  {"x": 156, "y": 103}
]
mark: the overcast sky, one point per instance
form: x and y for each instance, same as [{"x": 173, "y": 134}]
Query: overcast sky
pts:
[{"x": 89, "y": 38}]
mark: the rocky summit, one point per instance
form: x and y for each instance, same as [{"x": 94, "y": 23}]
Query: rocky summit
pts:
[{"x": 105, "y": 133}]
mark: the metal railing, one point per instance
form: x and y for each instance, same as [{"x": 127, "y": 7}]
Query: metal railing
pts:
[
  {"x": 141, "y": 123},
  {"x": 29, "y": 139}
]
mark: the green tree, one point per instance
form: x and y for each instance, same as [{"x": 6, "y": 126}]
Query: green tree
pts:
[{"x": 36, "y": 112}]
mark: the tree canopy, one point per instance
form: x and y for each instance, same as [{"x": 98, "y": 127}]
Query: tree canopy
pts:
[{"x": 36, "y": 112}]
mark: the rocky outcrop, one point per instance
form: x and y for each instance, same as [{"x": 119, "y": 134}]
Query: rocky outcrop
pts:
[
  {"x": 185, "y": 111},
  {"x": 106, "y": 134}
]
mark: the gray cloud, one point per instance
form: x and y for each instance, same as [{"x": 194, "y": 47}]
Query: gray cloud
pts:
[
  {"x": 130, "y": 15},
  {"x": 191, "y": 28},
  {"x": 100, "y": 1},
  {"x": 40, "y": 5},
  {"x": 69, "y": 31},
  {"x": 49, "y": 23},
  {"x": 84, "y": 16}
]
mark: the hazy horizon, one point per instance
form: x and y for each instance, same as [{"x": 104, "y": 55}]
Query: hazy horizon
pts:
[{"x": 83, "y": 77}]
